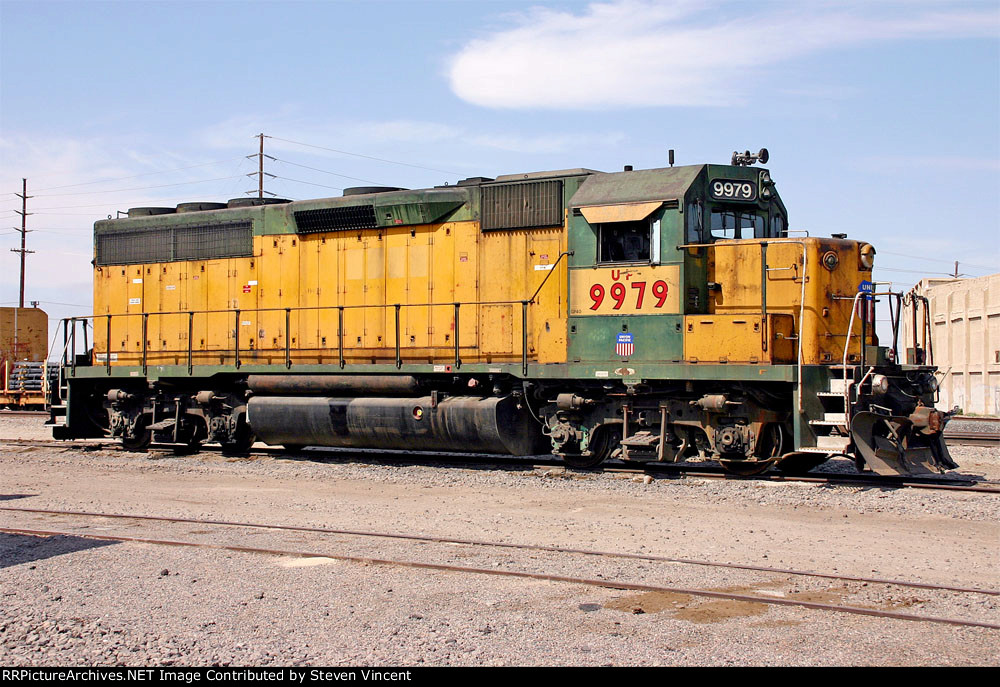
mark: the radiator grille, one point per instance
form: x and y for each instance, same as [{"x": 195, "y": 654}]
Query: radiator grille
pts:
[
  {"x": 335, "y": 219},
  {"x": 522, "y": 205},
  {"x": 169, "y": 244},
  {"x": 231, "y": 240}
]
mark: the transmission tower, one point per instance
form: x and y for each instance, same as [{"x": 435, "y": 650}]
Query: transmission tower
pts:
[
  {"x": 260, "y": 173},
  {"x": 23, "y": 195}
]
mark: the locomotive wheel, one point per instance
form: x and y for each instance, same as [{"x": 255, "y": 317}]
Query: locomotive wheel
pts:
[
  {"x": 244, "y": 440},
  {"x": 140, "y": 442},
  {"x": 769, "y": 449},
  {"x": 772, "y": 442},
  {"x": 601, "y": 445}
]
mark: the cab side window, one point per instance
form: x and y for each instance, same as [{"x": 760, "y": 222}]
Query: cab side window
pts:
[
  {"x": 694, "y": 228},
  {"x": 778, "y": 225},
  {"x": 624, "y": 241}
]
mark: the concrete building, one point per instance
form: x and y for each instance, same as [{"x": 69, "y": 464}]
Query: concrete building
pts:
[{"x": 965, "y": 340}]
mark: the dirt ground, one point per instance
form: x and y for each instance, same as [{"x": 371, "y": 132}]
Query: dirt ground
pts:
[{"x": 72, "y": 600}]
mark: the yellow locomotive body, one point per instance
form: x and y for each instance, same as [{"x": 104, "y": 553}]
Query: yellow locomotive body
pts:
[{"x": 425, "y": 269}]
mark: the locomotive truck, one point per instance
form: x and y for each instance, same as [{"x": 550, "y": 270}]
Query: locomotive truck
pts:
[{"x": 646, "y": 315}]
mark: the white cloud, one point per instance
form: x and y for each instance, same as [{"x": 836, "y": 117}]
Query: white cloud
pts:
[{"x": 634, "y": 53}]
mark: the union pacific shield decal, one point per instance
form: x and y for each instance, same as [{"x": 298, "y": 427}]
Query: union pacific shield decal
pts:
[{"x": 624, "y": 346}]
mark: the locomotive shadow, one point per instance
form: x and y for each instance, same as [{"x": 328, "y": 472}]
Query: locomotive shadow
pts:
[
  {"x": 18, "y": 549},
  {"x": 845, "y": 467},
  {"x": 11, "y": 497},
  {"x": 476, "y": 461}
]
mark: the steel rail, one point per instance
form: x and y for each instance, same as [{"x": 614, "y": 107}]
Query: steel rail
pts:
[
  {"x": 606, "y": 584},
  {"x": 509, "y": 545},
  {"x": 972, "y": 439}
]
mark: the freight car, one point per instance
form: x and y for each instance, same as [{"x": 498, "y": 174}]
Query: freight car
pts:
[
  {"x": 24, "y": 373},
  {"x": 648, "y": 315}
]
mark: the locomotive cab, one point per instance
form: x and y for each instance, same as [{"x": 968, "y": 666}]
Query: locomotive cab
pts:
[{"x": 777, "y": 351}]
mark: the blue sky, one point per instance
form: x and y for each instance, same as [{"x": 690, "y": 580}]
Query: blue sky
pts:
[{"x": 882, "y": 118}]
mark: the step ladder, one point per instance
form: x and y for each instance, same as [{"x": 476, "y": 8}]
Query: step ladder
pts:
[
  {"x": 641, "y": 446},
  {"x": 58, "y": 393},
  {"x": 832, "y": 433}
]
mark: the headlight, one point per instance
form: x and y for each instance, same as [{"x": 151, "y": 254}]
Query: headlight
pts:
[
  {"x": 932, "y": 383},
  {"x": 880, "y": 385},
  {"x": 867, "y": 257},
  {"x": 831, "y": 260}
]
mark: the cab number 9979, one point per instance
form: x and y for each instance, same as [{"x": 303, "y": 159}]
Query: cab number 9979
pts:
[{"x": 731, "y": 189}]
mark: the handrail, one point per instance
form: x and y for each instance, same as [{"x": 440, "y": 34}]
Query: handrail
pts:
[
  {"x": 802, "y": 294},
  {"x": 551, "y": 270},
  {"x": 70, "y": 340},
  {"x": 282, "y": 309},
  {"x": 847, "y": 347}
]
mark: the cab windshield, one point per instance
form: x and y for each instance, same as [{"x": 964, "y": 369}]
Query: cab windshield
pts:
[{"x": 734, "y": 223}]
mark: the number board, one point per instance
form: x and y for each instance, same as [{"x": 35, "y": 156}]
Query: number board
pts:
[
  {"x": 626, "y": 290},
  {"x": 733, "y": 189}
]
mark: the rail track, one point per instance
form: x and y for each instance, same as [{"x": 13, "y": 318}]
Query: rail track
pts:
[
  {"x": 489, "y": 461},
  {"x": 608, "y": 583}
]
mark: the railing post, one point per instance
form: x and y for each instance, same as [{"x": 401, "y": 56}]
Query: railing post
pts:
[
  {"x": 458, "y": 357},
  {"x": 86, "y": 345},
  {"x": 107, "y": 347},
  {"x": 340, "y": 334},
  {"x": 763, "y": 296},
  {"x": 72, "y": 337},
  {"x": 288, "y": 340},
  {"x": 399, "y": 359},
  {"x": 145, "y": 333},
  {"x": 190, "y": 342},
  {"x": 236, "y": 341},
  {"x": 524, "y": 338},
  {"x": 66, "y": 338}
]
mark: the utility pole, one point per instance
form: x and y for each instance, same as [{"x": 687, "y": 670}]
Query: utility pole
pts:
[
  {"x": 956, "y": 269},
  {"x": 23, "y": 195},
  {"x": 260, "y": 173}
]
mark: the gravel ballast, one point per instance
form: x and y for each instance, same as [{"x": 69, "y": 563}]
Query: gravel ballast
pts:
[{"x": 72, "y": 600}]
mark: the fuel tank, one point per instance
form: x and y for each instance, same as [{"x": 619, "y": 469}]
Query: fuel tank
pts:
[{"x": 457, "y": 423}]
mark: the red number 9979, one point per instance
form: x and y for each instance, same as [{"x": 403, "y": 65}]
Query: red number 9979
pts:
[{"x": 619, "y": 294}]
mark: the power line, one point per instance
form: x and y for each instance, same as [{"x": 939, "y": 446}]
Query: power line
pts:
[
  {"x": 71, "y": 214},
  {"x": 118, "y": 202},
  {"x": 299, "y": 181},
  {"x": 891, "y": 269},
  {"x": 920, "y": 257},
  {"x": 336, "y": 174},
  {"x": 135, "y": 176},
  {"x": 135, "y": 188},
  {"x": 367, "y": 157}
]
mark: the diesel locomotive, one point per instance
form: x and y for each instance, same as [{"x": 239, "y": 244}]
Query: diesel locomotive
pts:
[{"x": 647, "y": 315}]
